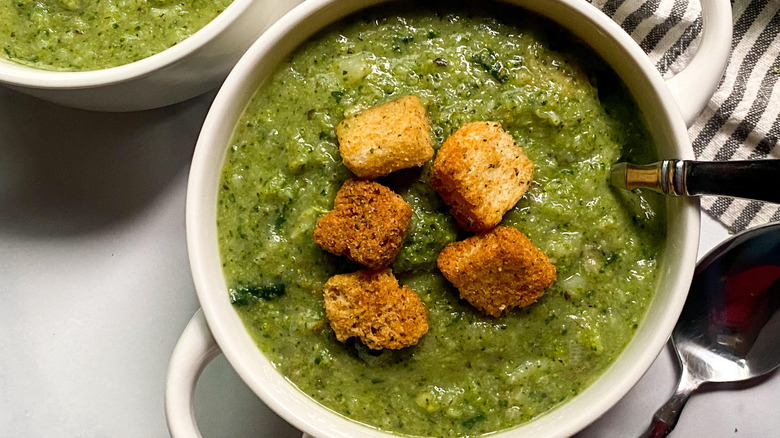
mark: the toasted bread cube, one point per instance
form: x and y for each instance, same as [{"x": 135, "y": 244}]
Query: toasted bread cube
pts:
[
  {"x": 481, "y": 172},
  {"x": 371, "y": 306},
  {"x": 386, "y": 138},
  {"x": 368, "y": 224},
  {"x": 497, "y": 270}
]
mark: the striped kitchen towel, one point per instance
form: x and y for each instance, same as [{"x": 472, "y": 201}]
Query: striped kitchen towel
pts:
[{"x": 742, "y": 120}]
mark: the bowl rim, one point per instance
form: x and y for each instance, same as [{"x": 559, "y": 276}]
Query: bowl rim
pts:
[
  {"x": 256, "y": 370},
  {"x": 16, "y": 74}
]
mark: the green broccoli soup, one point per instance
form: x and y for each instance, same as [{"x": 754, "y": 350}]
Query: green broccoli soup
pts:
[
  {"x": 77, "y": 35},
  {"x": 470, "y": 374}
]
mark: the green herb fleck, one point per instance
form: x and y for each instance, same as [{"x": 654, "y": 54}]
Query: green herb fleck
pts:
[
  {"x": 243, "y": 295},
  {"x": 281, "y": 219},
  {"x": 469, "y": 423},
  {"x": 611, "y": 258},
  {"x": 488, "y": 60}
]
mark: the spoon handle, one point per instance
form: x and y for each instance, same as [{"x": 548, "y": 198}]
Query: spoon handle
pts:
[
  {"x": 752, "y": 179},
  {"x": 666, "y": 416}
]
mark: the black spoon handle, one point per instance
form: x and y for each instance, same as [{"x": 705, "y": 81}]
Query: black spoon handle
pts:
[
  {"x": 757, "y": 179},
  {"x": 754, "y": 179}
]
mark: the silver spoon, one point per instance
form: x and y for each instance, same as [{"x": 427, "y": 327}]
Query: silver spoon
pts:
[
  {"x": 752, "y": 179},
  {"x": 729, "y": 329}
]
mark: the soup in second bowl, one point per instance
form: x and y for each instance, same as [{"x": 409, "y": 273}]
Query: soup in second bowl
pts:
[
  {"x": 78, "y": 35},
  {"x": 470, "y": 374}
]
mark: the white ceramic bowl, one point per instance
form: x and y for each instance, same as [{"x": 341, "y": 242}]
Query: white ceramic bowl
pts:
[
  {"x": 665, "y": 119},
  {"x": 189, "y": 68}
]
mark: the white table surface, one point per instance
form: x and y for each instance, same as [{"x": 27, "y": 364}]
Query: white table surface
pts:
[{"x": 95, "y": 289}]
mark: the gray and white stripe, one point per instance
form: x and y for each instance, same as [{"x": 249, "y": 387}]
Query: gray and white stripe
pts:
[{"x": 742, "y": 120}]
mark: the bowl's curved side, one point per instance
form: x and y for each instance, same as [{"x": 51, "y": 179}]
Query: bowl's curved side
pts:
[
  {"x": 598, "y": 31},
  {"x": 254, "y": 368},
  {"x": 193, "y": 66}
]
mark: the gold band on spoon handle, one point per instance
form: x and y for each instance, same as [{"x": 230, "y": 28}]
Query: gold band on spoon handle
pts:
[{"x": 666, "y": 177}]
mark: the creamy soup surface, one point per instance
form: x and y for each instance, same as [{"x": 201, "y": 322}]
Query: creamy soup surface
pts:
[{"x": 77, "y": 35}]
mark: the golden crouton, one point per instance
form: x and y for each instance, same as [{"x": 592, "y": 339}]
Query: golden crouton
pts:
[
  {"x": 481, "y": 172},
  {"x": 368, "y": 224},
  {"x": 386, "y": 138},
  {"x": 497, "y": 270},
  {"x": 370, "y": 305}
]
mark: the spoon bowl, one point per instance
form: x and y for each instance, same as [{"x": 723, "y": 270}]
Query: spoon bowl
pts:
[{"x": 729, "y": 328}]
